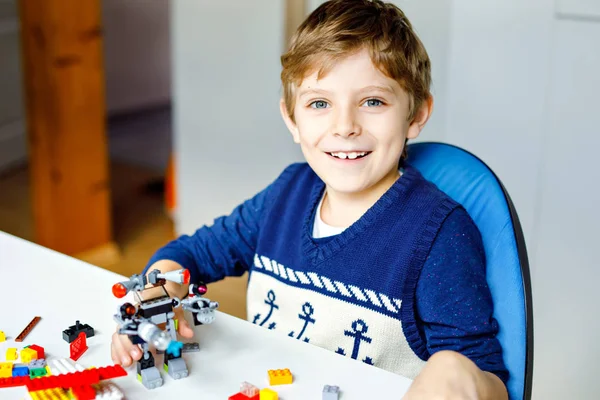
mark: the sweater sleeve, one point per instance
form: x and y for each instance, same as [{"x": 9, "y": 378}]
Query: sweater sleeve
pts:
[
  {"x": 225, "y": 248},
  {"x": 454, "y": 302}
]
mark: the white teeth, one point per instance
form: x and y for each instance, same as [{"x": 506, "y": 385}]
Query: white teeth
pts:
[{"x": 351, "y": 155}]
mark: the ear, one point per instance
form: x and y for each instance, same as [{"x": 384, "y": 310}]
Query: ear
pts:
[
  {"x": 291, "y": 125},
  {"x": 420, "y": 119}
]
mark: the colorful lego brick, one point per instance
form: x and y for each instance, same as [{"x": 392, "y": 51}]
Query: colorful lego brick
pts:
[
  {"x": 39, "y": 350},
  {"x": 27, "y": 355},
  {"x": 72, "y": 332},
  {"x": 28, "y": 329},
  {"x": 238, "y": 396},
  {"x": 268, "y": 394},
  {"x": 279, "y": 377},
  {"x": 111, "y": 372},
  {"x": 37, "y": 368},
  {"x": 108, "y": 391},
  {"x": 14, "y": 381},
  {"x": 6, "y": 369},
  {"x": 249, "y": 389},
  {"x": 78, "y": 347},
  {"x": 2, "y": 336},
  {"x": 331, "y": 392},
  {"x": 20, "y": 370},
  {"x": 84, "y": 392},
  {"x": 73, "y": 379},
  {"x": 11, "y": 354},
  {"x": 247, "y": 392},
  {"x": 50, "y": 394}
]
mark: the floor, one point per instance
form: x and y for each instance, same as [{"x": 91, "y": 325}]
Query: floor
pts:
[{"x": 141, "y": 223}]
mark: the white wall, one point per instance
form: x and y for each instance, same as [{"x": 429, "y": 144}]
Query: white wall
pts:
[
  {"x": 137, "y": 52},
  {"x": 230, "y": 140},
  {"x": 566, "y": 285}
]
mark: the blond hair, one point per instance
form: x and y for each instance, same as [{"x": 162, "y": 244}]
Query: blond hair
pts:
[{"x": 338, "y": 28}]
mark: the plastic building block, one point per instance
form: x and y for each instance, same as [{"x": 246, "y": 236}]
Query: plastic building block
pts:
[
  {"x": 247, "y": 392},
  {"x": 37, "y": 368},
  {"x": 11, "y": 354},
  {"x": 6, "y": 369},
  {"x": 50, "y": 394},
  {"x": 28, "y": 329},
  {"x": 20, "y": 370},
  {"x": 268, "y": 394},
  {"x": 113, "y": 371},
  {"x": 39, "y": 350},
  {"x": 27, "y": 355},
  {"x": 331, "y": 392},
  {"x": 84, "y": 392},
  {"x": 73, "y": 379},
  {"x": 72, "y": 332},
  {"x": 108, "y": 391},
  {"x": 78, "y": 347},
  {"x": 14, "y": 381},
  {"x": 192, "y": 347},
  {"x": 249, "y": 389},
  {"x": 2, "y": 336},
  {"x": 279, "y": 377}
]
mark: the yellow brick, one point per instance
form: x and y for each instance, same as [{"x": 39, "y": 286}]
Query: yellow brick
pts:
[
  {"x": 268, "y": 394},
  {"x": 49, "y": 394},
  {"x": 6, "y": 369},
  {"x": 280, "y": 377},
  {"x": 11, "y": 354},
  {"x": 2, "y": 336},
  {"x": 27, "y": 355}
]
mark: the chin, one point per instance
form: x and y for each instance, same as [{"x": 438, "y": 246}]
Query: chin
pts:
[{"x": 346, "y": 186}]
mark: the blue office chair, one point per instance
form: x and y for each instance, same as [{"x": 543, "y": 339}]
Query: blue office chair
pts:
[{"x": 469, "y": 181}]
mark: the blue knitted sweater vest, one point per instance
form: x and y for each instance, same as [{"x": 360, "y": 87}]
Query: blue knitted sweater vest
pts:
[{"x": 353, "y": 293}]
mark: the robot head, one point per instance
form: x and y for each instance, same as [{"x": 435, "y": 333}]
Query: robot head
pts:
[
  {"x": 199, "y": 289},
  {"x": 127, "y": 311}
]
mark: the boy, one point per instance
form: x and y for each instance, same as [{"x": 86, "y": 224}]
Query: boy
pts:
[{"x": 355, "y": 251}]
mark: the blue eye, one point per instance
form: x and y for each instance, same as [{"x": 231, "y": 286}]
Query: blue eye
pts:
[
  {"x": 318, "y": 104},
  {"x": 373, "y": 103}
]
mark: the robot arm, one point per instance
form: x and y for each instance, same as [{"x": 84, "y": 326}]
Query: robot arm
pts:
[
  {"x": 137, "y": 282},
  {"x": 202, "y": 308}
]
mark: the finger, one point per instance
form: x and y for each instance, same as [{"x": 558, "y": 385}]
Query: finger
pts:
[
  {"x": 185, "y": 330},
  {"x": 113, "y": 354},
  {"x": 121, "y": 351},
  {"x": 135, "y": 352},
  {"x": 183, "y": 327}
]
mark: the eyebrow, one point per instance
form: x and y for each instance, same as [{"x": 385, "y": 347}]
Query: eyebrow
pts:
[{"x": 386, "y": 89}]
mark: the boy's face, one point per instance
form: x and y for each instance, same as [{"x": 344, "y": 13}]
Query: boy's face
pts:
[{"x": 352, "y": 125}]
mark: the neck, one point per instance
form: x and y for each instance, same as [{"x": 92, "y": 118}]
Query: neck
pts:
[{"x": 343, "y": 209}]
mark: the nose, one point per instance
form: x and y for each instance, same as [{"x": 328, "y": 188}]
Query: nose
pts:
[{"x": 346, "y": 124}]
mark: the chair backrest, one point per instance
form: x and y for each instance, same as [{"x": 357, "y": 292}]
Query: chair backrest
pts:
[{"x": 469, "y": 181}]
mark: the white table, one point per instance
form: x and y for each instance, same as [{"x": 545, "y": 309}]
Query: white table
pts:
[{"x": 37, "y": 281}]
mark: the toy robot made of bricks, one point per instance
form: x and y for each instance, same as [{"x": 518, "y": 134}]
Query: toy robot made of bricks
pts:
[{"x": 141, "y": 322}]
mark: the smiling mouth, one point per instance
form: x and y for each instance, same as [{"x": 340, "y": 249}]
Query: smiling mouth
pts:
[{"x": 352, "y": 155}]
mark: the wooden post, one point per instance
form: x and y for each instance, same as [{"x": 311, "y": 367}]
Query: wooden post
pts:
[
  {"x": 295, "y": 12},
  {"x": 62, "y": 60}
]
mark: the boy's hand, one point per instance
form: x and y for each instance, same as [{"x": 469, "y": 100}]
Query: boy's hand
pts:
[
  {"x": 449, "y": 375},
  {"x": 124, "y": 352}
]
